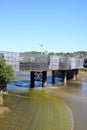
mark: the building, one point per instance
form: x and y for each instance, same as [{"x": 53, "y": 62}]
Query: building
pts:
[{"x": 11, "y": 58}]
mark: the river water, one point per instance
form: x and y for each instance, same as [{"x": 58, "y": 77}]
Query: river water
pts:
[
  {"x": 24, "y": 81},
  {"x": 74, "y": 95}
]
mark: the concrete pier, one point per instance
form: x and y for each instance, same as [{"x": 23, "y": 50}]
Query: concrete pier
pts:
[{"x": 38, "y": 76}]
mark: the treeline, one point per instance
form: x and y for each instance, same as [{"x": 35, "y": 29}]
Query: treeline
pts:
[{"x": 81, "y": 54}]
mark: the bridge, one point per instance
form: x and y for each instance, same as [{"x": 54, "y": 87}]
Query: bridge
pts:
[{"x": 67, "y": 68}]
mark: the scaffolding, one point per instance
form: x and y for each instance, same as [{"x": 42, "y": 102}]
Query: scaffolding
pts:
[
  {"x": 65, "y": 63},
  {"x": 42, "y": 63},
  {"x": 35, "y": 62}
]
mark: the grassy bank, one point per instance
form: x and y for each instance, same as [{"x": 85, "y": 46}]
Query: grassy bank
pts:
[
  {"x": 36, "y": 110},
  {"x": 83, "y": 73}
]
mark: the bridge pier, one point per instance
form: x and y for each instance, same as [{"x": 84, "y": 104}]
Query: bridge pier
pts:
[
  {"x": 65, "y": 77},
  {"x": 53, "y": 76},
  {"x": 38, "y": 76},
  {"x": 44, "y": 78},
  {"x": 32, "y": 79},
  {"x": 75, "y": 74},
  {"x": 69, "y": 74}
]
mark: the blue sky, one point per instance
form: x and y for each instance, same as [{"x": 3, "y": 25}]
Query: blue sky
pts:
[{"x": 60, "y": 25}]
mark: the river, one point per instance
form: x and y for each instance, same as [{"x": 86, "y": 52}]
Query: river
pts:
[{"x": 74, "y": 95}]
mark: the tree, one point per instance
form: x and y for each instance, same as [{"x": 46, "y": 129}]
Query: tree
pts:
[{"x": 6, "y": 75}]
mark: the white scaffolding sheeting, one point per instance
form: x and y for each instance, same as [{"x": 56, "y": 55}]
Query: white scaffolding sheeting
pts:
[{"x": 64, "y": 63}]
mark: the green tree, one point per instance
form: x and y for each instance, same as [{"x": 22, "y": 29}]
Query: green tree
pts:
[{"x": 6, "y": 75}]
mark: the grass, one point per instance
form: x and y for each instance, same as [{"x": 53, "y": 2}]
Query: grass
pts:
[
  {"x": 83, "y": 73},
  {"x": 84, "y": 69},
  {"x": 36, "y": 110}
]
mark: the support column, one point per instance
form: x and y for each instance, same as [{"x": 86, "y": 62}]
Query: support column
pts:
[
  {"x": 74, "y": 74},
  {"x": 65, "y": 77},
  {"x": 53, "y": 76},
  {"x": 44, "y": 78},
  {"x": 77, "y": 73},
  {"x": 32, "y": 79}
]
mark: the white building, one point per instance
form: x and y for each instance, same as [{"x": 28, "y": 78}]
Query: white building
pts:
[{"x": 12, "y": 58}]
